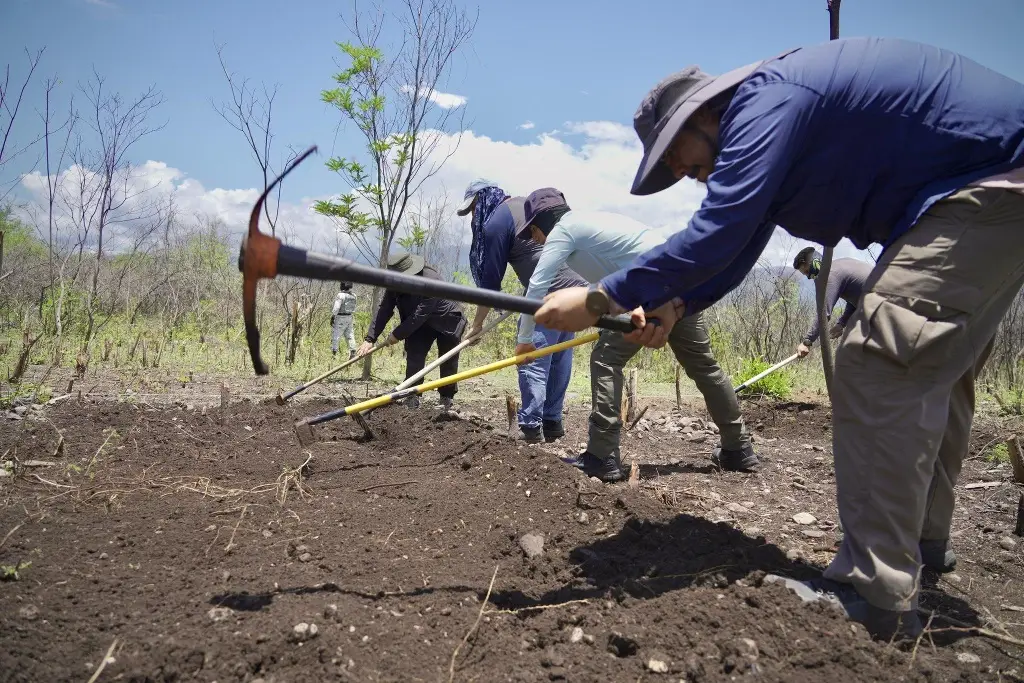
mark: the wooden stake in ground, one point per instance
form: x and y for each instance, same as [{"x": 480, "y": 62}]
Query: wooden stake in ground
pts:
[
  {"x": 679, "y": 389},
  {"x": 1016, "y": 458},
  {"x": 225, "y": 402},
  {"x": 512, "y": 406},
  {"x": 629, "y": 405},
  {"x": 1019, "y": 531}
]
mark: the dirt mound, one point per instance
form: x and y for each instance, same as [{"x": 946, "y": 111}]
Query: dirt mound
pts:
[{"x": 207, "y": 551}]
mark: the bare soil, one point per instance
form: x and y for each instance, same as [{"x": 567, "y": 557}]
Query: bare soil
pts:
[{"x": 203, "y": 547}]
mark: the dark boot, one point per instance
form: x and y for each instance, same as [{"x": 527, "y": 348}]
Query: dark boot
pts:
[
  {"x": 937, "y": 555},
  {"x": 881, "y": 623},
  {"x": 531, "y": 434},
  {"x": 413, "y": 402},
  {"x": 553, "y": 430},
  {"x": 608, "y": 469},
  {"x": 736, "y": 461}
]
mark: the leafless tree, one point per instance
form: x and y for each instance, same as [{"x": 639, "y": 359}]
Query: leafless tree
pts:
[
  {"x": 53, "y": 175},
  {"x": 10, "y": 105}
]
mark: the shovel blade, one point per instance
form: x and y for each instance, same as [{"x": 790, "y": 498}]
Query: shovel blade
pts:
[{"x": 305, "y": 434}]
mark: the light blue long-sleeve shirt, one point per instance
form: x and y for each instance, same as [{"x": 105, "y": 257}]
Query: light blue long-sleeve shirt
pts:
[{"x": 593, "y": 244}]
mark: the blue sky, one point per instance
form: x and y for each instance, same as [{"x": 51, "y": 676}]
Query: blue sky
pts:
[{"x": 544, "y": 61}]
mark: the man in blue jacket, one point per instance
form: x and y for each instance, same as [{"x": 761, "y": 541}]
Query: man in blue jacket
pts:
[
  {"x": 878, "y": 140},
  {"x": 497, "y": 220}
]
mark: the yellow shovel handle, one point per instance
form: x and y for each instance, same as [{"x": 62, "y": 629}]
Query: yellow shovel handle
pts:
[{"x": 466, "y": 374}]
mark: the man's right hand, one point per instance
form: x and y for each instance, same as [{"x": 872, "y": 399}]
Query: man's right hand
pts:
[
  {"x": 803, "y": 350},
  {"x": 473, "y": 331},
  {"x": 364, "y": 349}
]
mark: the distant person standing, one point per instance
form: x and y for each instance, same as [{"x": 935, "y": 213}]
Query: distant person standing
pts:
[{"x": 341, "y": 319}]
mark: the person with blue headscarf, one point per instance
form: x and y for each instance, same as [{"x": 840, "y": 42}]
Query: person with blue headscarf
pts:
[{"x": 496, "y": 223}]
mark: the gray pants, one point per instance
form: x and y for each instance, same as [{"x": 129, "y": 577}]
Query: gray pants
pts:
[
  {"x": 903, "y": 393},
  {"x": 692, "y": 348},
  {"x": 343, "y": 328}
]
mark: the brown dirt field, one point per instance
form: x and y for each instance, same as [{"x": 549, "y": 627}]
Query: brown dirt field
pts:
[{"x": 196, "y": 548}]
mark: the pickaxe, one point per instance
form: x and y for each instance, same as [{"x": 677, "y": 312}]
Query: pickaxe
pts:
[
  {"x": 263, "y": 256},
  {"x": 304, "y": 428}
]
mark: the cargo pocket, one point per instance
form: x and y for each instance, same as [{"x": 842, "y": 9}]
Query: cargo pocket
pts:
[{"x": 906, "y": 337}]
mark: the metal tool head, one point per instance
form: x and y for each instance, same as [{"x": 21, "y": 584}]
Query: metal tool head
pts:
[
  {"x": 257, "y": 259},
  {"x": 280, "y": 399},
  {"x": 305, "y": 434}
]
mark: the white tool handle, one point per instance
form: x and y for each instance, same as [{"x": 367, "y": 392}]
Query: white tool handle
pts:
[{"x": 767, "y": 372}]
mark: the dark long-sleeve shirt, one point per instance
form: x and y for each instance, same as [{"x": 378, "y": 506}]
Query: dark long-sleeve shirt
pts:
[
  {"x": 852, "y": 138},
  {"x": 846, "y": 281},
  {"x": 502, "y": 248},
  {"x": 415, "y": 312}
]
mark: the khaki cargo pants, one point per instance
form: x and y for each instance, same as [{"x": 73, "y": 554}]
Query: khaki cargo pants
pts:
[
  {"x": 903, "y": 394},
  {"x": 692, "y": 348}
]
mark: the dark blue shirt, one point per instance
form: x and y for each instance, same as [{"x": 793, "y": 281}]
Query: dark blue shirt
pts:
[
  {"x": 851, "y": 138},
  {"x": 502, "y": 248}
]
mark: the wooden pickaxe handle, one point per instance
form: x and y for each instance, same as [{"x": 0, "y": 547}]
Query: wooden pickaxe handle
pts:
[{"x": 282, "y": 399}]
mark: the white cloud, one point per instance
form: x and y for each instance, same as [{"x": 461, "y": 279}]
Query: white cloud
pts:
[
  {"x": 101, "y": 3},
  {"x": 444, "y": 100},
  {"x": 592, "y": 162},
  {"x": 526, "y": 125}
]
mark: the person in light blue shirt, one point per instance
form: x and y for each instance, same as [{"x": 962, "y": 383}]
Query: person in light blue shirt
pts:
[
  {"x": 879, "y": 140},
  {"x": 594, "y": 244}
]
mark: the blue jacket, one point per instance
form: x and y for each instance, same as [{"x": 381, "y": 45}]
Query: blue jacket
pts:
[{"x": 851, "y": 138}]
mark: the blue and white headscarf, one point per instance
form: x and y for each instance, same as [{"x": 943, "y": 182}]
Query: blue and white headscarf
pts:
[{"x": 488, "y": 199}]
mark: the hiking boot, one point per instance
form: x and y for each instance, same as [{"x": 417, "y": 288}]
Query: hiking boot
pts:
[
  {"x": 553, "y": 430},
  {"x": 446, "y": 403},
  {"x": 412, "y": 402},
  {"x": 937, "y": 555},
  {"x": 531, "y": 434},
  {"x": 736, "y": 461},
  {"x": 608, "y": 469},
  {"x": 881, "y": 623}
]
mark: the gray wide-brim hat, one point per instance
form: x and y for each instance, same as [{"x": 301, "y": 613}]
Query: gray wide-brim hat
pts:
[
  {"x": 404, "y": 262},
  {"x": 664, "y": 112}
]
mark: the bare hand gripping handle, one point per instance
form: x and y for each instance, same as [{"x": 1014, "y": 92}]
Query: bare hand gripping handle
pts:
[{"x": 263, "y": 256}]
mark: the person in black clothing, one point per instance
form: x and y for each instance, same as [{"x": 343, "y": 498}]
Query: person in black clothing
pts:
[{"x": 424, "y": 320}]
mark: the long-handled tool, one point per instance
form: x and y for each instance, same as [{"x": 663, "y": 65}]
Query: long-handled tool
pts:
[
  {"x": 264, "y": 256},
  {"x": 463, "y": 344},
  {"x": 304, "y": 428},
  {"x": 283, "y": 398},
  {"x": 777, "y": 366}
]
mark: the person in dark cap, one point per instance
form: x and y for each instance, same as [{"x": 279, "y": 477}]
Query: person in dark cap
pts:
[
  {"x": 424, "y": 321},
  {"x": 846, "y": 280},
  {"x": 878, "y": 140},
  {"x": 341, "y": 319},
  {"x": 594, "y": 244},
  {"x": 497, "y": 220}
]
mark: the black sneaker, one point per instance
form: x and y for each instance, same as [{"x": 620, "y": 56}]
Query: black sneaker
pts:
[
  {"x": 881, "y": 623},
  {"x": 446, "y": 403},
  {"x": 412, "y": 402},
  {"x": 736, "y": 461},
  {"x": 608, "y": 469},
  {"x": 531, "y": 434},
  {"x": 553, "y": 430},
  {"x": 938, "y": 556}
]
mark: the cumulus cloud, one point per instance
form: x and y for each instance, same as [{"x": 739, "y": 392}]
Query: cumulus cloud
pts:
[
  {"x": 592, "y": 162},
  {"x": 526, "y": 125},
  {"x": 445, "y": 100}
]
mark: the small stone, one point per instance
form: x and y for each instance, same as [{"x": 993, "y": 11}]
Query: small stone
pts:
[
  {"x": 1007, "y": 543},
  {"x": 267, "y": 533},
  {"x": 587, "y": 638},
  {"x": 302, "y": 632},
  {"x": 577, "y": 635},
  {"x": 812, "y": 533},
  {"x": 818, "y": 448},
  {"x": 299, "y": 549},
  {"x": 794, "y": 554},
  {"x": 219, "y": 613},
  {"x": 212, "y": 527},
  {"x": 804, "y": 518},
  {"x": 331, "y": 612},
  {"x": 305, "y": 557},
  {"x": 20, "y": 410},
  {"x": 445, "y": 611},
  {"x": 753, "y": 531},
  {"x": 697, "y": 437},
  {"x": 532, "y": 544},
  {"x": 968, "y": 658},
  {"x": 748, "y": 648},
  {"x": 29, "y": 612},
  {"x": 601, "y": 528},
  {"x": 737, "y": 508},
  {"x": 583, "y": 518},
  {"x": 807, "y": 447},
  {"x": 657, "y": 663},
  {"x": 954, "y": 578},
  {"x": 103, "y": 556}
]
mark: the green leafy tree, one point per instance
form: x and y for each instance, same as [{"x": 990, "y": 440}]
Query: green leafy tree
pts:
[{"x": 395, "y": 104}]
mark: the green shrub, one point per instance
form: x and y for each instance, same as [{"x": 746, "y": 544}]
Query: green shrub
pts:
[
  {"x": 999, "y": 453},
  {"x": 778, "y": 384}
]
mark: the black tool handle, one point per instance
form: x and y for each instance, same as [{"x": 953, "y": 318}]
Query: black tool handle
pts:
[{"x": 309, "y": 264}]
